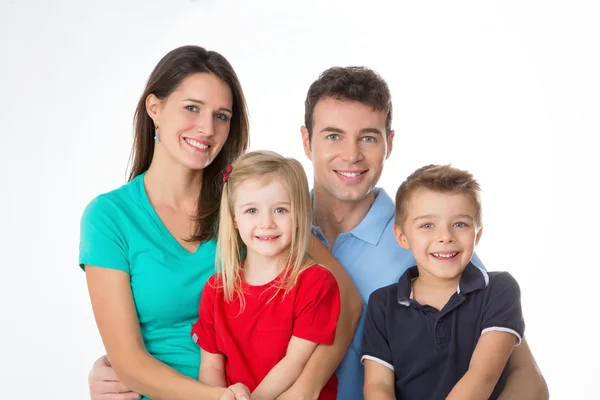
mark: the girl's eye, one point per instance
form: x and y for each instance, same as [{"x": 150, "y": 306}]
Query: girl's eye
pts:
[
  {"x": 427, "y": 225},
  {"x": 280, "y": 210},
  {"x": 460, "y": 225},
  {"x": 191, "y": 108},
  {"x": 251, "y": 211},
  {"x": 222, "y": 117}
]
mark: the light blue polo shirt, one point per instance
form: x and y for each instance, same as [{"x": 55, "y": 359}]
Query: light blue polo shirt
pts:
[{"x": 371, "y": 256}]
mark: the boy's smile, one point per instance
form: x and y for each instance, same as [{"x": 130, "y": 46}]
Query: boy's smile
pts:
[{"x": 440, "y": 230}]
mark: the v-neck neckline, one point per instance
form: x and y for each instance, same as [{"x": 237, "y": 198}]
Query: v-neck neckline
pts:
[{"x": 167, "y": 235}]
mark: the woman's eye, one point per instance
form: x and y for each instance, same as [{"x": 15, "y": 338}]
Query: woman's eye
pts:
[
  {"x": 222, "y": 117},
  {"x": 191, "y": 108}
]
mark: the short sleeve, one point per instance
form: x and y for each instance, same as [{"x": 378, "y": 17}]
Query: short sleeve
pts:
[
  {"x": 204, "y": 331},
  {"x": 317, "y": 306},
  {"x": 102, "y": 239},
  {"x": 376, "y": 346},
  {"x": 502, "y": 312}
]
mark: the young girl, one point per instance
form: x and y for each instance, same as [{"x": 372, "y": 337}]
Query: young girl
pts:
[{"x": 262, "y": 315}]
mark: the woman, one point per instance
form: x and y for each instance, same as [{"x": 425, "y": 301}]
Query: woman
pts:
[{"x": 149, "y": 246}]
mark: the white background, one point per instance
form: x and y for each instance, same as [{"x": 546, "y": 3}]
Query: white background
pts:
[{"x": 507, "y": 89}]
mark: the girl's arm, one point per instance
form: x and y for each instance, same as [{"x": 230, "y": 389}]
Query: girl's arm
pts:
[
  {"x": 325, "y": 359},
  {"x": 487, "y": 363},
  {"x": 212, "y": 369},
  {"x": 379, "y": 381},
  {"x": 285, "y": 373},
  {"x": 114, "y": 310}
]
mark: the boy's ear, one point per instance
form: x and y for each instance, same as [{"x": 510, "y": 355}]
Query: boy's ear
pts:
[
  {"x": 401, "y": 238},
  {"x": 478, "y": 236}
]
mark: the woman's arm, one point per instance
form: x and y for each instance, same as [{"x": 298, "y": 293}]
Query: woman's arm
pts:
[
  {"x": 487, "y": 363},
  {"x": 114, "y": 310},
  {"x": 325, "y": 359},
  {"x": 286, "y": 371},
  {"x": 525, "y": 380}
]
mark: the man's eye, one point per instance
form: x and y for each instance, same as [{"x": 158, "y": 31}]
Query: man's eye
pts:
[{"x": 333, "y": 136}]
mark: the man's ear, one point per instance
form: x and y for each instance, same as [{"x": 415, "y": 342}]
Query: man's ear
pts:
[
  {"x": 306, "y": 141},
  {"x": 478, "y": 236},
  {"x": 401, "y": 238},
  {"x": 390, "y": 143}
]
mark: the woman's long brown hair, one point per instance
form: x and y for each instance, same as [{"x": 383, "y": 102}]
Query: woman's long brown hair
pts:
[{"x": 171, "y": 70}]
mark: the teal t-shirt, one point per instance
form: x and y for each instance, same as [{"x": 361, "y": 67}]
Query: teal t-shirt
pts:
[{"x": 120, "y": 230}]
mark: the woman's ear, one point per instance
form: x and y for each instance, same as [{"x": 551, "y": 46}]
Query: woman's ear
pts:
[{"x": 153, "y": 107}]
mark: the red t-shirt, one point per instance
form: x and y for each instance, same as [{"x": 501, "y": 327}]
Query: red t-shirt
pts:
[{"x": 254, "y": 341}]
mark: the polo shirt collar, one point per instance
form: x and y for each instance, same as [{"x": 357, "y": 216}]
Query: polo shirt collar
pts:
[
  {"x": 373, "y": 225},
  {"x": 472, "y": 279},
  {"x": 371, "y": 228}
]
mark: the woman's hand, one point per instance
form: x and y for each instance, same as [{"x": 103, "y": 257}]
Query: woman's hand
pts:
[{"x": 105, "y": 385}]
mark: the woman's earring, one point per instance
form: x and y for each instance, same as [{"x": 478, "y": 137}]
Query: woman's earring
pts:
[{"x": 156, "y": 134}]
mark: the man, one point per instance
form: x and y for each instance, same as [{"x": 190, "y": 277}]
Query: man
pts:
[{"x": 348, "y": 137}]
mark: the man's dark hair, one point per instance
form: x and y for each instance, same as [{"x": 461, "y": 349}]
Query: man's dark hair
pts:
[{"x": 349, "y": 83}]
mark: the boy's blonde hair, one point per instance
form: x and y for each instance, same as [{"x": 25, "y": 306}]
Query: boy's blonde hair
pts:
[
  {"x": 265, "y": 166},
  {"x": 437, "y": 178}
]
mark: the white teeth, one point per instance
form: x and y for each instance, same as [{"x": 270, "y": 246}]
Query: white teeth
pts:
[
  {"x": 438, "y": 255},
  {"x": 349, "y": 174},
  {"x": 196, "y": 144}
]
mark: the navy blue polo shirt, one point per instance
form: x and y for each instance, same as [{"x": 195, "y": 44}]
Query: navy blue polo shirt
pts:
[{"x": 429, "y": 350}]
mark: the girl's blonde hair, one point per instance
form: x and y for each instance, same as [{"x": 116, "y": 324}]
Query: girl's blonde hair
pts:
[{"x": 266, "y": 166}]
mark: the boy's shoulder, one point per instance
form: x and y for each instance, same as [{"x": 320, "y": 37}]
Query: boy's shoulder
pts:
[
  {"x": 501, "y": 280},
  {"x": 383, "y": 294}
]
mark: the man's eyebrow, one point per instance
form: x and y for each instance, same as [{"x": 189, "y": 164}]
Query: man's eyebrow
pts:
[
  {"x": 331, "y": 129},
  {"x": 371, "y": 130},
  {"x": 362, "y": 131},
  {"x": 203, "y": 103}
]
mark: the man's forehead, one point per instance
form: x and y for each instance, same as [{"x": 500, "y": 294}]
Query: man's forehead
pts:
[{"x": 346, "y": 114}]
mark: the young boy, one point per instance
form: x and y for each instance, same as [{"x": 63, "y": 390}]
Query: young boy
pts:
[{"x": 447, "y": 328}]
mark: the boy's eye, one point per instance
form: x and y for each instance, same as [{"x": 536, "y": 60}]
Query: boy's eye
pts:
[
  {"x": 427, "y": 225},
  {"x": 460, "y": 225}
]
